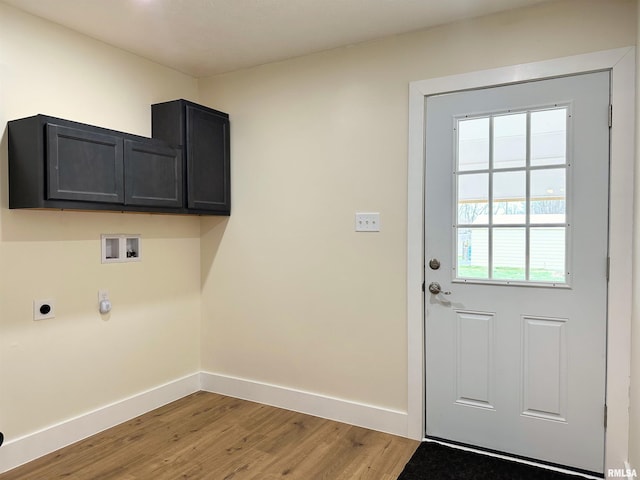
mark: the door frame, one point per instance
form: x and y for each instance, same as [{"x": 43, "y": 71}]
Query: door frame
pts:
[{"x": 621, "y": 62}]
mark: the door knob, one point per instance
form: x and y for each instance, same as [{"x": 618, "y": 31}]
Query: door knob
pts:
[{"x": 434, "y": 287}]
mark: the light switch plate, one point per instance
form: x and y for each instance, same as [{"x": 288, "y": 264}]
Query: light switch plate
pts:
[{"x": 368, "y": 222}]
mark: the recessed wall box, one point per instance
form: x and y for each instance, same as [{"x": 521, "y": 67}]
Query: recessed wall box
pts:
[{"x": 119, "y": 248}]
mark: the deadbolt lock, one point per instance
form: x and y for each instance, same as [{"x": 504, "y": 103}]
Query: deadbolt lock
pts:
[{"x": 434, "y": 264}]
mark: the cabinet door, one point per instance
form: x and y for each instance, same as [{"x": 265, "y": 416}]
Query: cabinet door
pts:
[
  {"x": 153, "y": 174},
  {"x": 208, "y": 164},
  {"x": 83, "y": 165}
]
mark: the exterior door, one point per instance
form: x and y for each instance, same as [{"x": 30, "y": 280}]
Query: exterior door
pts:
[{"x": 516, "y": 221}]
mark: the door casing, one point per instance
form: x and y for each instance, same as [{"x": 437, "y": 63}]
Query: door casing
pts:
[{"x": 621, "y": 62}]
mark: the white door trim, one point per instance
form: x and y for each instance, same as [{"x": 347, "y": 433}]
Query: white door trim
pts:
[{"x": 621, "y": 61}]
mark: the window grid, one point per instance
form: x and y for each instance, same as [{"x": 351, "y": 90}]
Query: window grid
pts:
[{"x": 490, "y": 226}]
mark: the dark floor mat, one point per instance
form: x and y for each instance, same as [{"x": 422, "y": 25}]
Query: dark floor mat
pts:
[{"x": 433, "y": 461}]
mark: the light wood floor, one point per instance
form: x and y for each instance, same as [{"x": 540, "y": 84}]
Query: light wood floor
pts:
[{"x": 209, "y": 436}]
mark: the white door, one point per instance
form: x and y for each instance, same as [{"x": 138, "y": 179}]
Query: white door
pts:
[{"x": 516, "y": 216}]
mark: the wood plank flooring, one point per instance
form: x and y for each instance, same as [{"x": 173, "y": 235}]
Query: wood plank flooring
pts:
[{"x": 213, "y": 437}]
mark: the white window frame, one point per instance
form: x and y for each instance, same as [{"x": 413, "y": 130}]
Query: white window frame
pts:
[
  {"x": 527, "y": 224},
  {"x": 621, "y": 62}
]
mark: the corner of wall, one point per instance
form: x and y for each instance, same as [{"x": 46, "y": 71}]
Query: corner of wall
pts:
[{"x": 34, "y": 445}]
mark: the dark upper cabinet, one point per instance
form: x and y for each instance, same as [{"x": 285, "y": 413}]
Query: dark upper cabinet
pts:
[
  {"x": 203, "y": 135},
  {"x": 83, "y": 165},
  {"x": 153, "y": 174},
  {"x": 184, "y": 168},
  {"x": 56, "y": 163}
]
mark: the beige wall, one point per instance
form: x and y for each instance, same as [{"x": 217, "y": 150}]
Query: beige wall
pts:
[
  {"x": 56, "y": 369},
  {"x": 291, "y": 295}
]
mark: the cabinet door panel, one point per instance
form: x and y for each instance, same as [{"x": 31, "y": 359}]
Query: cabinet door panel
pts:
[
  {"x": 153, "y": 175},
  {"x": 207, "y": 160},
  {"x": 83, "y": 165}
]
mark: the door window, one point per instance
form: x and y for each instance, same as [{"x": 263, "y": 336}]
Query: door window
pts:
[{"x": 511, "y": 196}]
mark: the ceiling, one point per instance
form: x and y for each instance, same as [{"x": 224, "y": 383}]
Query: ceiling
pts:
[{"x": 208, "y": 37}]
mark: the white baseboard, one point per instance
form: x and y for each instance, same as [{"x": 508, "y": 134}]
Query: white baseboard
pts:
[
  {"x": 19, "y": 451},
  {"x": 29, "y": 447},
  {"x": 362, "y": 415}
]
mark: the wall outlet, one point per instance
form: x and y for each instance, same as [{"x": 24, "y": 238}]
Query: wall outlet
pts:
[
  {"x": 43, "y": 309},
  {"x": 367, "y": 222},
  {"x": 104, "y": 304}
]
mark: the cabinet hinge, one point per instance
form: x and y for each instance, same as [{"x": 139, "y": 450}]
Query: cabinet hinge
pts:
[
  {"x": 610, "y": 115},
  {"x": 608, "y": 267},
  {"x": 605, "y": 415}
]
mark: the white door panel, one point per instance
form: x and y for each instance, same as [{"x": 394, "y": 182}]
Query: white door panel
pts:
[{"x": 515, "y": 354}]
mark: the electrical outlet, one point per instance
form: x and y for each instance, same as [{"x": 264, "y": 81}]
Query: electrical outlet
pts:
[
  {"x": 43, "y": 309},
  {"x": 367, "y": 222}
]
